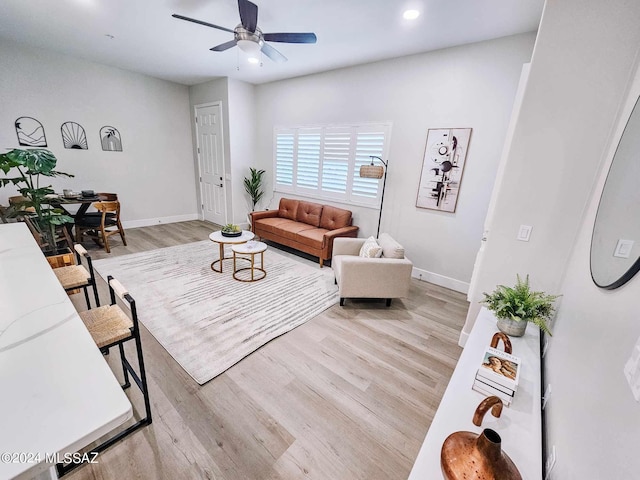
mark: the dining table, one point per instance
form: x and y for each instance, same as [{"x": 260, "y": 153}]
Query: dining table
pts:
[
  {"x": 57, "y": 392},
  {"x": 62, "y": 201}
]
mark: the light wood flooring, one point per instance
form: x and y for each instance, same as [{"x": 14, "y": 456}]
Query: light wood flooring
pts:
[{"x": 348, "y": 395}]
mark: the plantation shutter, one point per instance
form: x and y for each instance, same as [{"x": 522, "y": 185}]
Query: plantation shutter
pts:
[
  {"x": 369, "y": 141},
  {"x": 285, "y": 159},
  {"x": 308, "y": 165},
  {"x": 324, "y": 162},
  {"x": 335, "y": 163}
]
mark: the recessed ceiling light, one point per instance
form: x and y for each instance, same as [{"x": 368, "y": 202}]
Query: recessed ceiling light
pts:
[{"x": 411, "y": 14}]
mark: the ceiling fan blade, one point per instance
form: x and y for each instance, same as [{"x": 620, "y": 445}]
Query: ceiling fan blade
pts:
[
  {"x": 175, "y": 15},
  {"x": 291, "y": 37},
  {"x": 248, "y": 15},
  {"x": 273, "y": 54},
  {"x": 224, "y": 46}
]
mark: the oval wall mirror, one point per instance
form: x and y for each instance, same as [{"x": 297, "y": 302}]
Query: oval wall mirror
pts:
[{"x": 615, "y": 249}]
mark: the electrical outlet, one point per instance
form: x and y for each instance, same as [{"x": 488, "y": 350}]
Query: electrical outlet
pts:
[
  {"x": 546, "y": 396},
  {"x": 550, "y": 463}
]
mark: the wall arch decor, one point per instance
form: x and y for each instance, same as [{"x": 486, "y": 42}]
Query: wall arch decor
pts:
[
  {"x": 110, "y": 139},
  {"x": 30, "y": 132},
  {"x": 74, "y": 136}
]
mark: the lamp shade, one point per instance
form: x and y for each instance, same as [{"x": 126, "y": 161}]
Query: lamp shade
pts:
[
  {"x": 371, "y": 171},
  {"x": 251, "y": 48}
]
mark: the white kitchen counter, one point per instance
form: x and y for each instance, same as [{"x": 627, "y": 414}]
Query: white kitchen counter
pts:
[
  {"x": 57, "y": 393},
  {"x": 520, "y": 425}
]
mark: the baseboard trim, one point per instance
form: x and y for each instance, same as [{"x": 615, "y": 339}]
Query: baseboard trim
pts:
[
  {"x": 452, "y": 283},
  {"x": 147, "y": 222},
  {"x": 462, "y": 340}
]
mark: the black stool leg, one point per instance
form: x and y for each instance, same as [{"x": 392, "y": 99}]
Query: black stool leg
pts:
[{"x": 123, "y": 359}]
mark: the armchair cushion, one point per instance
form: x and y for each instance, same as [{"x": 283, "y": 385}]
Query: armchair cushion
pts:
[
  {"x": 370, "y": 249},
  {"x": 390, "y": 248}
]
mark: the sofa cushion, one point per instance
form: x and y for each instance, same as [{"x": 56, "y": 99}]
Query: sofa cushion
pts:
[
  {"x": 370, "y": 249},
  {"x": 333, "y": 218},
  {"x": 292, "y": 230},
  {"x": 288, "y": 208},
  {"x": 390, "y": 248},
  {"x": 312, "y": 237},
  {"x": 273, "y": 224},
  {"x": 309, "y": 213}
]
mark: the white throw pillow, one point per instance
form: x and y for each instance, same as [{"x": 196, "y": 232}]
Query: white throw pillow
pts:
[{"x": 371, "y": 249}]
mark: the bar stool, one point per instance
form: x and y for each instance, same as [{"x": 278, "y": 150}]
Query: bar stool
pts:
[
  {"x": 109, "y": 326},
  {"x": 73, "y": 277}
]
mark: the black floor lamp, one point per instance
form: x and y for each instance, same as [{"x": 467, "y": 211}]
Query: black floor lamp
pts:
[{"x": 376, "y": 171}]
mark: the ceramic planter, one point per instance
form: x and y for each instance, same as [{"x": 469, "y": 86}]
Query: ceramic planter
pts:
[{"x": 513, "y": 328}]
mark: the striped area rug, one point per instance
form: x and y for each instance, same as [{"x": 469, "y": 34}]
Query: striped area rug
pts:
[{"x": 208, "y": 321}]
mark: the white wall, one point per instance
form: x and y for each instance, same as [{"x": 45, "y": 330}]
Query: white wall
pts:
[
  {"x": 573, "y": 112},
  {"x": 593, "y": 419},
  {"x": 573, "y": 94},
  {"x": 469, "y": 86},
  {"x": 242, "y": 132},
  {"x": 153, "y": 175}
]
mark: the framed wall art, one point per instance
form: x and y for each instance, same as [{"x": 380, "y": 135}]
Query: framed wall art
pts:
[
  {"x": 442, "y": 168},
  {"x": 30, "y": 132},
  {"x": 73, "y": 136},
  {"x": 110, "y": 139}
]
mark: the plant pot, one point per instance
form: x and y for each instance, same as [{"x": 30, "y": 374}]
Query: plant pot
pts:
[{"x": 513, "y": 328}]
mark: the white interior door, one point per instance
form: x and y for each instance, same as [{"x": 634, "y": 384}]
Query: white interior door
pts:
[{"x": 211, "y": 161}]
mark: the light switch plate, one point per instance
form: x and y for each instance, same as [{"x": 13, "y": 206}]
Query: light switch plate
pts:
[
  {"x": 524, "y": 233},
  {"x": 623, "y": 248}
]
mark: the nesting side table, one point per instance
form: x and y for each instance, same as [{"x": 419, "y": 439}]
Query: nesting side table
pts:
[{"x": 251, "y": 249}]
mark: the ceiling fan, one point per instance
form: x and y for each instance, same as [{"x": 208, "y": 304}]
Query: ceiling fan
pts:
[{"x": 250, "y": 38}]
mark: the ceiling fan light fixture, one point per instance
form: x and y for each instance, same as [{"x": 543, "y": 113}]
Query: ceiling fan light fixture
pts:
[
  {"x": 411, "y": 14},
  {"x": 253, "y": 60},
  {"x": 251, "y": 48}
]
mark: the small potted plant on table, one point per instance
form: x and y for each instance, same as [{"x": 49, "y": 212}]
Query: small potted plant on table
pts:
[{"x": 517, "y": 305}]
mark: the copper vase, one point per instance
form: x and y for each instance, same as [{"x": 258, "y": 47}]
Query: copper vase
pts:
[{"x": 468, "y": 456}]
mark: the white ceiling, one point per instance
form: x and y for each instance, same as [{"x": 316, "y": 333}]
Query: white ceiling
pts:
[{"x": 148, "y": 40}]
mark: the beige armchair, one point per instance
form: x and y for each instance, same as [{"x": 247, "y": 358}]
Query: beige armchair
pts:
[{"x": 357, "y": 277}]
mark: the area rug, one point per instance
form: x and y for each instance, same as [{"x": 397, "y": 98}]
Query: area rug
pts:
[{"x": 208, "y": 321}]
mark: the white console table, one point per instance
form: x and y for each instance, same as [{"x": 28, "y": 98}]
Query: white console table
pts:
[
  {"x": 57, "y": 393},
  {"x": 520, "y": 425}
]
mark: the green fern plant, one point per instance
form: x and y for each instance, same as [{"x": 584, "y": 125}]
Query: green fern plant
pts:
[{"x": 520, "y": 303}]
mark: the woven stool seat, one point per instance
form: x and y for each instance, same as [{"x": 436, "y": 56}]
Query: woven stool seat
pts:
[
  {"x": 73, "y": 276},
  {"x": 107, "y": 324}
]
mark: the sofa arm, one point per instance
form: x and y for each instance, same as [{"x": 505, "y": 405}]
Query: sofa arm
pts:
[
  {"x": 347, "y": 246},
  {"x": 264, "y": 214},
  {"x": 327, "y": 239},
  {"x": 374, "y": 277}
]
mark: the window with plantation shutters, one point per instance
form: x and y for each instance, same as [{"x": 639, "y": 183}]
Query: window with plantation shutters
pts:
[{"x": 324, "y": 161}]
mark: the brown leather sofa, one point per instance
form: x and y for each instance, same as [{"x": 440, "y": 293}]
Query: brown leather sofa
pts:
[{"x": 305, "y": 226}]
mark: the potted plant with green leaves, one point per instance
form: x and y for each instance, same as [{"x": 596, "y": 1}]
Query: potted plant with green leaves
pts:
[
  {"x": 517, "y": 305},
  {"x": 25, "y": 170},
  {"x": 253, "y": 187}
]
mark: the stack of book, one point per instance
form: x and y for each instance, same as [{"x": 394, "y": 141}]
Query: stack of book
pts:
[{"x": 498, "y": 375}]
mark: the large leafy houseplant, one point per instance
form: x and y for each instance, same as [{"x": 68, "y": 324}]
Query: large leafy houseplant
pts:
[
  {"x": 24, "y": 169},
  {"x": 253, "y": 186},
  {"x": 521, "y": 304}
]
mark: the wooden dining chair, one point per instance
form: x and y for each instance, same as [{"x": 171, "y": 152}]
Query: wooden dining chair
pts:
[
  {"x": 109, "y": 326},
  {"x": 103, "y": 226},
  {"x": 73, "y": 277},
  {"x": 103, "y": 197}
]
